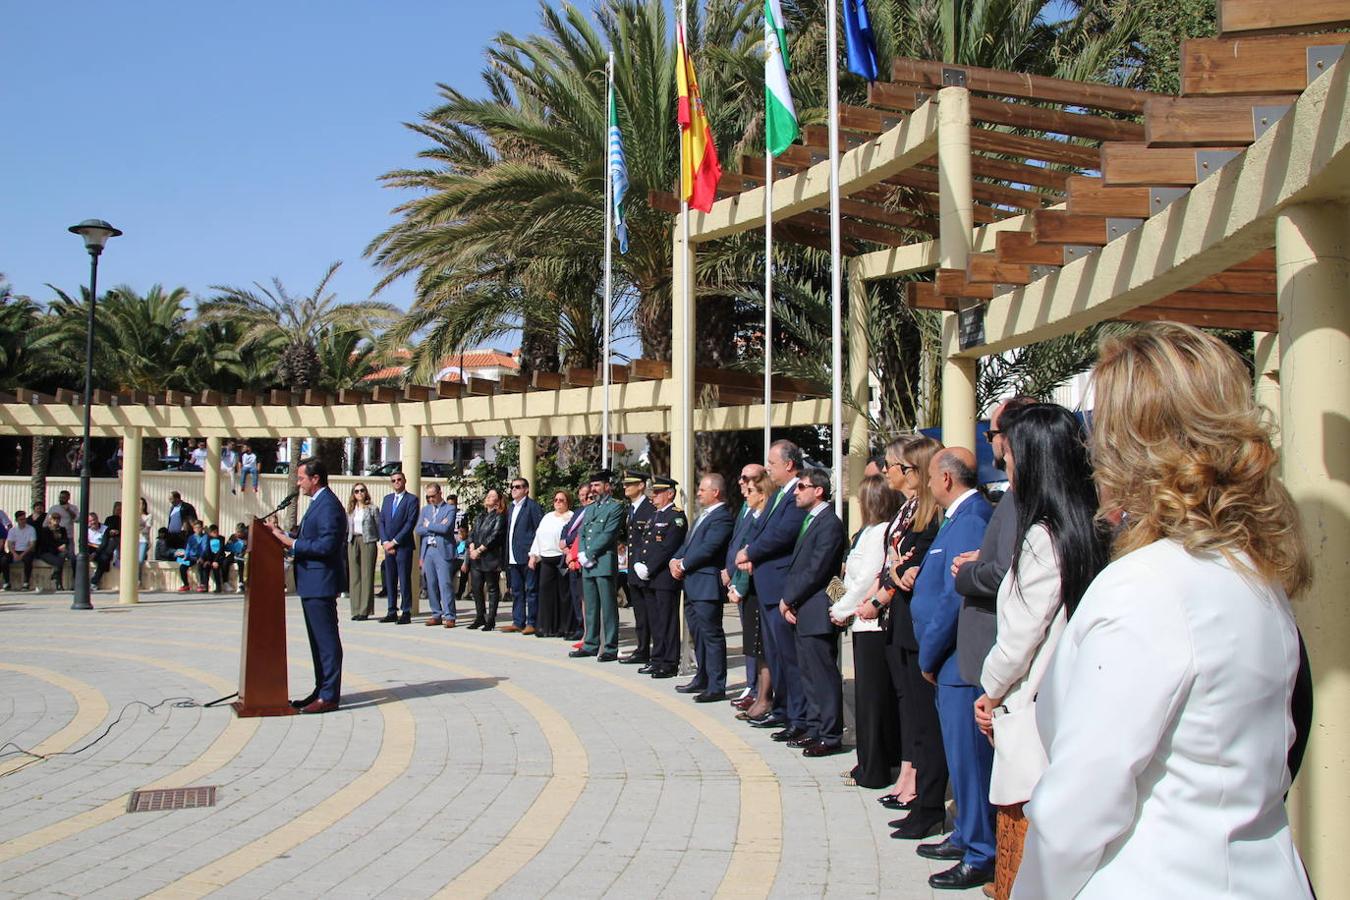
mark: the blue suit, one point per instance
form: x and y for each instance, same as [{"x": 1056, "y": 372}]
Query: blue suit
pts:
[
  {"x": 771, "y": 552},
  {"x": 320, "y": 554},
  {"x": 397, "y": 525},
  {"x": 936, "y": 607},
  {"x": 523, "y": 581},
  {"x": 436, "y": 528},
  {"x": 702, "y": 554}
]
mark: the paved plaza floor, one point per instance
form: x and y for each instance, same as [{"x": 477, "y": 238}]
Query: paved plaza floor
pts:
[{"x": 461, "y": 764}]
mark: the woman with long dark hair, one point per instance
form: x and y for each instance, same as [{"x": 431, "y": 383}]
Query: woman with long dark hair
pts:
[
  {"x": 1060, "y": 548},
  {"x": 485, "y": 560}
]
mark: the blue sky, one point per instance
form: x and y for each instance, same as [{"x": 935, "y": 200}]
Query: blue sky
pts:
[{"x": 231, "y": 142}]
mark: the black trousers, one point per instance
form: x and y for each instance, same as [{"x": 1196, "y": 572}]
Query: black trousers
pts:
[
  {"x": 639, "y": 597},
  {"x": 876, "y": 718},
  {"x": 822, "y": 686},
  {"x": 920, "y": 717},
  {"x": 26, "y": 562},
  {"x": 663, "y": 620},
  {"x": 485, "y": 609},
  {"x": 574, "y": 625},
  {"x": 555, "y": 601},
  {"x": 895, "y": 668}
]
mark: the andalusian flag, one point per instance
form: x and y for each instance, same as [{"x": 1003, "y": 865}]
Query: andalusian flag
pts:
[
  {"x": 780, "y": 117},
  {"x": 699, "y": 168},
  {"x": 618, "y": 173}
]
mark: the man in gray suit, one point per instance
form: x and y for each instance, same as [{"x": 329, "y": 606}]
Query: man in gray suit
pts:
[
  {"x": 978, "y": 574},
  {"x": 436, "y": 530}
]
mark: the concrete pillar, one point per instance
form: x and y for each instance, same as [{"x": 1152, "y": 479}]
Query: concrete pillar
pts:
[
  {"x": 367, "y": 449},
  {"x": 211, "y": 495},
  {"x": 684, "y": 327},
  {"x": 412, "y": 471},
  {"x": 349, "y": 455},
  {"x": 956, "y": 223},
  {"x": 528, "y": 461},
  {"x": 1312, "y": 267},
  {"x": 128, "y": 576},
  {"x": 1266, "y": 383},
  {"x": 855, "y": 411}
]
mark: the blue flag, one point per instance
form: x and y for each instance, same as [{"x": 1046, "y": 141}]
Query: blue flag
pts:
[
  {"x": 618, "y": 174},
  {"x": 860, "y": 45}
]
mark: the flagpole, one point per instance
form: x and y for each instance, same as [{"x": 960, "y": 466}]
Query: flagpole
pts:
[
  {"x": 836, "y": 270},
  {"x": 609, "y": 252},
  {"x": 687, "y": 307},
  {"x": 768, "y": 293}
]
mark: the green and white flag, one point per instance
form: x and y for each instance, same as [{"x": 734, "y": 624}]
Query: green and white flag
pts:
[{"x": 780, "y": 117}]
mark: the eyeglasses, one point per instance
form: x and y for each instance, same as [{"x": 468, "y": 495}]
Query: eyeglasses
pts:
[
  {"x": 360, "y": 491},
  {"x": 517, "y": 487},
  {"x": 989, "y": 435},
  {"x": 905, "y": 470},
  {"x": 559, "y": 499},
  {"x": 806, "y": 486}
]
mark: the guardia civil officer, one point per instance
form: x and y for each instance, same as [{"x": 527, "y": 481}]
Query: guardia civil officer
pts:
[
  {"x": 597, "y": 552},
  {"x": 640, "y": 511}
]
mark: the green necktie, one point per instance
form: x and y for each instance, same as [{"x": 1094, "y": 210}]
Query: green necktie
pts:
[
  {"x": 806, "y": 523},
  {"x": 945, "y": 522},
  {"x": 776, "y": 498}
]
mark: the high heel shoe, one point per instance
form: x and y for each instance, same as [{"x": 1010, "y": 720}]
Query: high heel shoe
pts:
[{"x": 893, "y": 801}]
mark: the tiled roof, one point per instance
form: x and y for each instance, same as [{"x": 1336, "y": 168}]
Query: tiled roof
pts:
[{"x": 469, "y": 359}]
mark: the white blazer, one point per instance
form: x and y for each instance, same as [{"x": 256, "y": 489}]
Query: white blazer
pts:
[
  {"x": 860, "y": 570},
  {"x": 1165, "y": 714}
]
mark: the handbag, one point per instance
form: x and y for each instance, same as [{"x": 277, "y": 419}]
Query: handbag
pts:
[
  {"x": 835, "y": 589},
  {"x": 1019, "y": 755}
]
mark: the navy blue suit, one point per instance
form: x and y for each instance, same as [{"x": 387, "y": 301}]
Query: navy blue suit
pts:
[
  {"x": 771, "y": 552},
  {"x": 397, "y": 525},
  {"x": 815, "y": 560},
  {"x": 702, "y": 554},
  {"x": 936, "y": 608},
  {"x": 320, "y": 555},
  {"x": 523, "y": 581}
]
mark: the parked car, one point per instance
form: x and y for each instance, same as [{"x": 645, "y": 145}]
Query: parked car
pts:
[{"x": 429, "y": 469}]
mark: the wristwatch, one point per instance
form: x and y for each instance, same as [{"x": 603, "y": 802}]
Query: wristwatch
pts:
[{"x": 876, "y": 604}]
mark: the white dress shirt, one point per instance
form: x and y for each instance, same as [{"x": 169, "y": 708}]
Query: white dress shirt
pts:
[
  {"x": 1165, "y": 713},
  {"x": 511, "y": 531},
  {"x": 864, "y": 560},
  {"x": 548, "y": 538}
]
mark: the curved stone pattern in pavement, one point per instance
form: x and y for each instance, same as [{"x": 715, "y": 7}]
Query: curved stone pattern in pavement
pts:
[{"x": 462, "y": 764}]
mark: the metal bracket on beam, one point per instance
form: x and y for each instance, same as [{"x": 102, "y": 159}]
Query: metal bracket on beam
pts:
[
  {"x": 955, "y": 77},
  {"x": 1077, "y": 251},
  {"x": 1117, "y": 227},
  {"x": 1003, "y": 287},
  {"x": 1038, "y": 271},
  {"x": 818, "y": 156},
  {"x": 1160, "y": 197},
  {"x": 1323, "y": 58},
  {"x": 1207, "y": 162},
  {"x": 781, "y": 172},
  {"x": 889, "y": 122},
  {"x": 921, "y": 97},
  {"x": 1265, "y": 116}
]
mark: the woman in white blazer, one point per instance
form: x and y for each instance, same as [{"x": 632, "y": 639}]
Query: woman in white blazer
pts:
[
  {"x": 876, "y": 720},
  {"x": 1166, "y": 710},
  {"x": 1060, "y": 549}
]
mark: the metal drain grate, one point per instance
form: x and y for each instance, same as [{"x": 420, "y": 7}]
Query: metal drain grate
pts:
[{"x": 172, "y": 798}]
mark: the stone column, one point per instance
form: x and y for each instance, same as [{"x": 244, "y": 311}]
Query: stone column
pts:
[
  {"x": 1312, "y": 268},
  {"x": 1266, "y": 383},
  {"x": 412, "y": 471},
  {"x": 211, "y": 496},
  {"x": 855, "y": 412},
  {"x": 128, "y": 577},
  {"x": 956, "y": 223},
  {"x": 528, "y": 461}
]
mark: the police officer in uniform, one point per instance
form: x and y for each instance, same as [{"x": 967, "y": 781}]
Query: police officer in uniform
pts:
[
  {"x": 661, "y": 592},
  {"x": 640, "y": 512},
  {"x": 597, "y": 551}
]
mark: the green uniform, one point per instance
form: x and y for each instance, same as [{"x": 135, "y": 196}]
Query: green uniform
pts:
[{"x": 601, "y": 532}]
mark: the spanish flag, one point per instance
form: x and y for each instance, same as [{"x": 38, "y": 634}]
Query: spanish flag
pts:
[{"x": 699, "y": 168}]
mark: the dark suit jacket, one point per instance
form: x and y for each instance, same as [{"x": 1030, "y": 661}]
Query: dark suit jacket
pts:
[
  {"x": 489, "y": 532},
  {"x": 703, "y": 552},
  {"x": 527, "y": 523},
  {"x": 936, "y": 605},
  {"x": 902, "y": 622},
  {"x": 771, "y": 547},
  {"x": 815, "y": 560},
  {"x": 977, "y": 583},
  {"x": 398, "y": 526},
  {"x": 320, "y": 551}
]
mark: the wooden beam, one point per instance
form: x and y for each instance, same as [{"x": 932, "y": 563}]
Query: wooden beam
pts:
[
  {"x": 383, "y": 394},
  {"x": 24, "y": 395},
  {"x": 986, "y": 268},
  {"x": 1091, "y": 197},
  {"x": 482, "y": 387},
  {"x": 953, "y": 283},
  {"x": 1207, "y": 121},
  {"x": 178, "y": 398},
  {"x": 69, "y": 397},
  {"x": 1242, "y": 321},
  {"x": 1053, "y": 226},
  {"x": 924, "y": 295},
  {"x": 514, "y": 384},
  {"x": 618, "y": 374},
  {"x": 1274, "y": 64},
  {"x": 1059, "y": 153},
  {"x": 352, "y": 396},
  {"x": 246, "y": 398},
  {"x": 648, "y": 370},
  {"x": 579, "y": 377},
  {"x": 1255, "y": 16},
  {"x": 100, "y": 397},
  {"x": 1021, "y": 247},
  {"x": 417, "y": 393},
  {"x": 210, "y": 398},
  {"x": 1263, "y": 261},
  {"x": 1138, "y": 165},
  {"x": 449, "y": 390},
  {"x": 546, "y": 381},
  {"x": 1041, "y": 88},
  {"x": 1239, "y": 281}
]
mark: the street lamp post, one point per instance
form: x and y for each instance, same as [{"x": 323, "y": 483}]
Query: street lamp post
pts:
[{"x": 95, "y": 233}]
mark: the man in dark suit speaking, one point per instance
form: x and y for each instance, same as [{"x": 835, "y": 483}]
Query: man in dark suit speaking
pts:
[{"x": 320, "y": 575}]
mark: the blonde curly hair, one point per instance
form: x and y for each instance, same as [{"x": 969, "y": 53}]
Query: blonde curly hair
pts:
[{"x": 1182, "y": 451}]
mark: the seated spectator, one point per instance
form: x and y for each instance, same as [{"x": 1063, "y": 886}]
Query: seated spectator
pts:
[
  {"x": 212, "y": 563},
  {"x": 164, "y": 548},
  {"x": 100, "y": 549},
  {"x": 19, "y": 545},
  {"x": 236, "y": 553},
  {"x": 190, "y": 554},
  {"x": 53, "y": 548}
]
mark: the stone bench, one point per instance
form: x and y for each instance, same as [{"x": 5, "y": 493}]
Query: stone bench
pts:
[{"x": 42, "y": 577}]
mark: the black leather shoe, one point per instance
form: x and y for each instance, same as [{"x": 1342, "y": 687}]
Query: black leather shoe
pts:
[
  {"x": 788, "y": 734},
  {"x": 917, "y": 827},
  {"x": 944, "y": 850},
  {"x": 648, "y": 669},
  {"x": 301, "y": 704},
  {"x": 634, "y": 659},
  {"x": 576, "y": 654},
  {"x": 799, "y": 743},
  {"x": 817, "y": 749},
  {"x": 608, "y": 657},
  {"x": 474, "y": 625},
  {"x": 768, "y": 720},
  {"x": 665, "y": 672},
  {"x": 710, "y": 696},
  {"x": 359, "y": 618},
  {"x": 392, "y": 617},
  {"x": 405, "y": 619},
  {"x": 890, "y": 801},
  {"x": 690, "y": 688},
  {"x": 961, "y": 877}
]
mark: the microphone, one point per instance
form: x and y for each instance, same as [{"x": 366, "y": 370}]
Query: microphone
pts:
[{"x": 284, "y": 503}]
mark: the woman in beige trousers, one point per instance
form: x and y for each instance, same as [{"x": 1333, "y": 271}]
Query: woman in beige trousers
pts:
[{"x": 363, "y": 541}]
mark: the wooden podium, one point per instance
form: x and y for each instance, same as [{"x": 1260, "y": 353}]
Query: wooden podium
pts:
[{"x": 262, "y": 661}]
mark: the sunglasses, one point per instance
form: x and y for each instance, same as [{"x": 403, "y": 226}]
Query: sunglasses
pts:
[
  {"x": 517, "y": 487},
  {"x": 806, "y": 486},
  {"x": 991, "y": 433},
  {"x": 743, "y": 479}
]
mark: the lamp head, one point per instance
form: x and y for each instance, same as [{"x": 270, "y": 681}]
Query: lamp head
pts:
[{"x": 95, "y": 233}]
